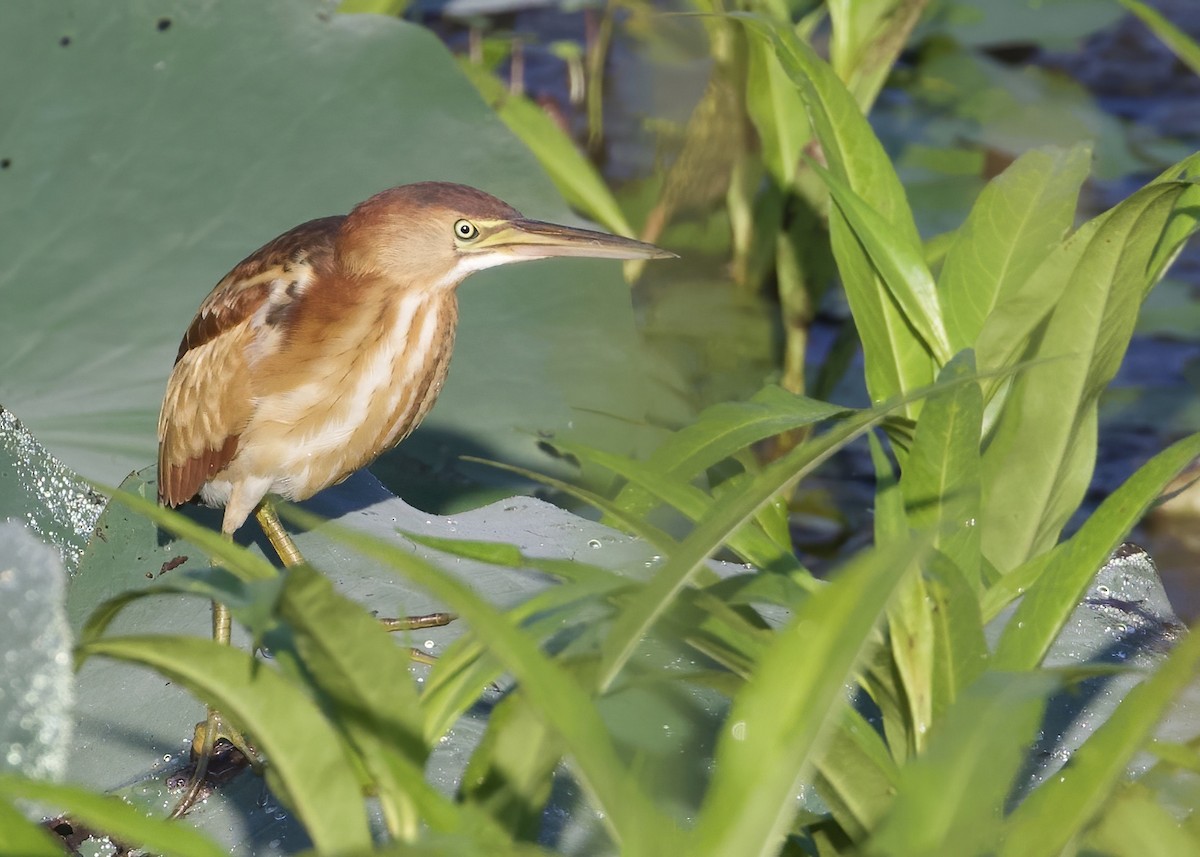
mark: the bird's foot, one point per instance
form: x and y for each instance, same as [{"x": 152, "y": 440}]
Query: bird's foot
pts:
[{"x": 219, "y": 752}]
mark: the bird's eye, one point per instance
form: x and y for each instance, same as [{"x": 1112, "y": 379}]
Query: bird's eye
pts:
[{"x": 466, "y": 230}]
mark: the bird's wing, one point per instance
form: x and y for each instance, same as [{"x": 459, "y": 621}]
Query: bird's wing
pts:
[{"x": 208, "y": 401}]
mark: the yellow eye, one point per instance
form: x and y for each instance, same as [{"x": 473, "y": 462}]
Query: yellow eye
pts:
[{"x": 465, "y": 230}]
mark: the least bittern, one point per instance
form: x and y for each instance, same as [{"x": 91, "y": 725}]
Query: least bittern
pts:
[{"x": 327, "y": 347}]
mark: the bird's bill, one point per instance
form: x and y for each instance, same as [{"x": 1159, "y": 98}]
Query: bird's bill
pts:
[{"x": 533, "y": 239}]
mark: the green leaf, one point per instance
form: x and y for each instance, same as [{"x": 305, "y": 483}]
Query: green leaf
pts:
[
  {"x": 940, "y": 485},
  {"x": 245, "y": 564},
  {"x": 900, "y": 265},
  {"x": 775, "y": 725},
  {"x": 891, "y": 523},
  {"x": 951, "y": 799},
  {"x": 20, "y": 836},
  {"x": 110, "y": 815},
  {"x": 911, "y": 637},
  {"x": 1042, "y": 453},
  {"x": 1138, "y": 822},
  {"x": 372, "y": 7},
  {"x": 343, "y": 651},
  {"x": 725, "y": 429},
  {"x": 960, "y": 648},
  {"x": 1021, "y": 216},
  {"x": 896, "y": 359},
  {"x": 775, "y": 108},
  {"x": 253, "y": 604},
  {"x": 307, "y": 757},
  {"x": 867, "y": 37},
  {"x": 750, "y": 542},
  {"x": 941, "y": 479},
  {"x": 510, "y": 774},
  {"x": 1070, "y": 567},
  {"x": 856, "y": 775},
  {"x": 1062, "y": 807}
]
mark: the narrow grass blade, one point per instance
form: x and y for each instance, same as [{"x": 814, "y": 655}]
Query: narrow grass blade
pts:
[
  {"x": 252, "y": 603},
  {"x": 110, "y": 815},
  {"x": 774, "y": 727},
  {"x": 1047, "y": 605},
  {"x": 306, "y": 755},
  {"x": 728, "y": 428},
  {"x": 628, "y": 522}
]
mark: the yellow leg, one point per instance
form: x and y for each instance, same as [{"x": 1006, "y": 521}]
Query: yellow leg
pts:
[
  {"x": 268, "y": 519},
  {"x": 213, "y": 727}
]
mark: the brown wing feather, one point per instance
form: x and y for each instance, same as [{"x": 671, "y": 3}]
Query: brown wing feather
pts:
[{"x": 208, "y": 401}]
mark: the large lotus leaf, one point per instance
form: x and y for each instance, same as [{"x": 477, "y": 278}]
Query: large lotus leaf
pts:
[{"x": 145, "y": 149}]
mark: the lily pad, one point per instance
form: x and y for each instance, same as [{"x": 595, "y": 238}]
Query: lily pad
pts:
[{"x": 149, "y": 149}]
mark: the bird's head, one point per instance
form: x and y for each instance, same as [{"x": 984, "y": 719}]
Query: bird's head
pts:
[{"x": 436, "y": 234}]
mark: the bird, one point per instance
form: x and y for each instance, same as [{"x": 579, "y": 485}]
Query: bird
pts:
[{"x": 326, "y": 347}]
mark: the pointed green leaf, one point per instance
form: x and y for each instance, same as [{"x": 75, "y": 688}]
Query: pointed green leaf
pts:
[
  {"x": 1062, "y": 807},
  {"x": 774, "y": 727},
  {"x": 305, "y": 753},
  {"x": 1070, "y": 568},
  {"x": 1041, "y": 456},
  {"x": 900, "y": 265},
  {"x": 1019, "y": 218},
  {"x": 951, "y": 799},
  {"x": 941, "y": 479},
  {"x": 896, "y": 359}
]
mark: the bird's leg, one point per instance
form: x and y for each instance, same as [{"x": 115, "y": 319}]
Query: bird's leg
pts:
[
  {"x": 213, "y": 727},
  {"x": 268, "y": 519}
]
